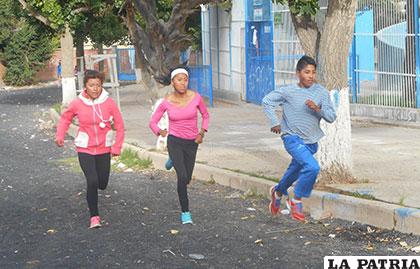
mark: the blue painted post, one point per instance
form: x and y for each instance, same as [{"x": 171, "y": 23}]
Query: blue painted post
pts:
[
  {"x": 353, "y": 71},
  {"x": 417, "y": 49},
  {"x": 246, "y": 51}
]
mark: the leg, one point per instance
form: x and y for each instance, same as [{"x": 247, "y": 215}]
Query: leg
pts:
[
  {"x": 103, "y": 166},
  {"x": 303, "y": 155},
  {"x": 309, "y": 172},
  {"x": 190, "y": 153},
  {"x": 176, "y": 154},
  {"x": 87, "y": 163},
  {"x": 289, "y": 177}
]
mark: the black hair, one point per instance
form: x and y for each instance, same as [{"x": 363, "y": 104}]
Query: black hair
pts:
[
  {"x": 304, "y": 61},
  {"x": 89, "y": 74}
]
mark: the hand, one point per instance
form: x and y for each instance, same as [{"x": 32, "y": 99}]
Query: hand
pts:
[
  {"x": 163, "y": 133},
  {"x": 311, "y": 104},
  {"x": 276, "y": 129},
  {"x": 59, "y": 142},
  {"x": 199, "y": 139}
]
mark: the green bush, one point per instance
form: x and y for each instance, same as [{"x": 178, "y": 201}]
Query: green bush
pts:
[{"x": 27, "y": 51}]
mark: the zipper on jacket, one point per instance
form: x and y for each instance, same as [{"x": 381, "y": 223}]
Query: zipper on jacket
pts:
[{"x": 94, "y": 126}]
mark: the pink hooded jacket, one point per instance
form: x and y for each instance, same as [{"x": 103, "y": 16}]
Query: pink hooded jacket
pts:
[{"x": 95, "y": 135}]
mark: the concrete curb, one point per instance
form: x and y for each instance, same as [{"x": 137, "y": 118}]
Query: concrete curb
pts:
[{"x": 320, "y": 205}]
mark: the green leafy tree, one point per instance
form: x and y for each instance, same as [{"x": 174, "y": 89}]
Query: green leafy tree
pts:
[
  {"x": 26, "y": 53},
  {"x": 159, "y": 31},
  {"x": 83, "y": 17},
  {"x": 24, "y": 43}
]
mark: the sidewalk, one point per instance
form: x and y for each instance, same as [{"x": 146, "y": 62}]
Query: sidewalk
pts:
[{"x": 385, "y": 158}]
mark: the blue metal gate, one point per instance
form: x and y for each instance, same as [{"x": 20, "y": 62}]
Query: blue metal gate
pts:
[
  {"x": 259, "y": 50},
  {"x": 200, "y": 79}
]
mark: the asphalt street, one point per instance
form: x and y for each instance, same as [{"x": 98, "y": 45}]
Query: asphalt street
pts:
[{"x": 44, "y": 216}]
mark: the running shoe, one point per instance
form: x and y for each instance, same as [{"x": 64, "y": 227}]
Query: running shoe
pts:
[
  {"x": 274, "y": 205},
  {"x": 186, "y": 218},
  {"x": 95, "y": 222},
  {"x": 169, "y": 164},
  {"x": 296, "y": 210}
]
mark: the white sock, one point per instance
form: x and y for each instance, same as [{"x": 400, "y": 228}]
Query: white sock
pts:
[{"x": 296, "y": 201}]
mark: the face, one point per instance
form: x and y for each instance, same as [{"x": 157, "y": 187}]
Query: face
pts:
[
  {"x": 307, "y": 76},
  {"x": 180, "y": 83},
  {"x": 93, "y": 88}
]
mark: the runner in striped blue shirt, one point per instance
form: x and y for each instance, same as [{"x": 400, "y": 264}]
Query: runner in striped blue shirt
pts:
[{"x": 304, "y": 105}]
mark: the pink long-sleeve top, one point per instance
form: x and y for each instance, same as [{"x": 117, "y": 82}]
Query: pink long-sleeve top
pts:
[{"x": 182, "y": 120}]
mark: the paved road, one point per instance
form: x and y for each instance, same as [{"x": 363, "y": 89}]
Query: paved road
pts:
[{"x": 43, "y": 215}]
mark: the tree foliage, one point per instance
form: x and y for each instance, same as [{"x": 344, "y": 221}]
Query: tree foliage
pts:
[
  {"x": 161, "y": 33},
  {"x": 25, "y": 44},
  {"x": 94, "y": 19},
  {"x": 26, "y": 53}
]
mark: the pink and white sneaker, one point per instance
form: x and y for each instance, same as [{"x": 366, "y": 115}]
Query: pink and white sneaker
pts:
[{"x": 95, "y": 222}]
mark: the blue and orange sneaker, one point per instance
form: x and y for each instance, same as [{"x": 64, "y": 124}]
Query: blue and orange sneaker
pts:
[
  {"x": 296, "y": 209},
  {"x": 274, "y": 205}
]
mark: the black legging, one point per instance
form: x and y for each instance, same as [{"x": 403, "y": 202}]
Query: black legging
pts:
[
  {"x": 96, "y": 169},
  {"x": 182, "y": 152}
]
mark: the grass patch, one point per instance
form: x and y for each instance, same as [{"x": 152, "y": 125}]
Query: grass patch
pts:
[
  {"x": 401, "y": 201},
  {"x": 363, "y": 196},
  {"x": 57, "y": 107},
  {"x": 130, "y": 159},
  {"x": 252, "y": 174},
  {"x": 252, "y": 194},
  {"x": 210, "y": 181},
  {"x": 72, "y": 163}
]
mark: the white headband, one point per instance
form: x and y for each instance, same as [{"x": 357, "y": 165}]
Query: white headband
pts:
[{"x": 178, "y": 71}]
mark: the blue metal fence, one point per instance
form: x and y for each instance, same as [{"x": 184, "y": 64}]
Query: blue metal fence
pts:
[{"x": 200, "y": 79}]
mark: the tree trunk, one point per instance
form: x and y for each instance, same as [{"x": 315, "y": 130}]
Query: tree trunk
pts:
[
  {"x": 332, "y": 49},
  {"x": 101, "y": 51},
  {"x": 335, "y": 149},
  {"x": 80, "y": 50},
  {"x": 142, "y": 73},
  {"x": 2, "y": 73},
  {"x": 68, "y": 83}
]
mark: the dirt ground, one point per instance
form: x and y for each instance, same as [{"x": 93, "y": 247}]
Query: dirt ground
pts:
[{"x": 44, "y": 216}]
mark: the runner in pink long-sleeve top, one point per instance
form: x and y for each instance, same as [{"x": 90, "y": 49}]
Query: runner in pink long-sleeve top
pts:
[{"x": 184, "y": 134}]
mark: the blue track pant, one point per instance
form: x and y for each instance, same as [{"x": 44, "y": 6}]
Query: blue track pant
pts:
[{"x": 303, "y": 168}]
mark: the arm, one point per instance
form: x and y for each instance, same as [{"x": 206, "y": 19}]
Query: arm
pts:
[
  {"x": 119, "y": 127},
  {"x": 204, "y": 115},
  {"x": 270, "y": 102},
  {"x": 205, "y": 120},
  {"x": 153, "y": 124},
  {"x": 64, "y": 124},
  {"x": 327, "y": 111}
]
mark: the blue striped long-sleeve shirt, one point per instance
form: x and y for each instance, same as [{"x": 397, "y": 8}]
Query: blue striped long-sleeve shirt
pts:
[{"x": 298, "y": 118}]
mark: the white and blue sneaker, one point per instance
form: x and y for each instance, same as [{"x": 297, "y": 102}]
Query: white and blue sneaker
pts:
[{"x": 186, "y": 218}]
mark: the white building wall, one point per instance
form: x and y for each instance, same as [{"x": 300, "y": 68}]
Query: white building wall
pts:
[
  {"x": 224, "y": 48},
  {"x": 238, "y": 82}
]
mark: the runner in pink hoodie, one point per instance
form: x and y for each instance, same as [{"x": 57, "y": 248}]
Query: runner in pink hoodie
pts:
[{"x": 95, "y": 144}]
